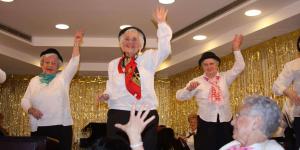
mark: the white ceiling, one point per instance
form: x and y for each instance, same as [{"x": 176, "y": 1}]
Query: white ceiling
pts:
[{"x": 101, "y": 20}]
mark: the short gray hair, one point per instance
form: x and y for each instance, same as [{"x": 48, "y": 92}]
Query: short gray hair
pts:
[
  {"x": 267, "y": 109},
  {"x": 59, "y": 62},
  {"x": 141, "y": 39}
]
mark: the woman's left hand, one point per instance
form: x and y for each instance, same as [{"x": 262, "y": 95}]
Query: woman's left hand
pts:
[
  {"x": 78, "y": 37},
  {"x": 160, "y": 14}
]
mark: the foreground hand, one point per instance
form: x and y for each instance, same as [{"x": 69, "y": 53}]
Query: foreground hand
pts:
[
  {"x": 237, "y": 42},
  {"x": 193, "y": 85},
  {"x": 102, "y": 97},
  {"x": 160, "y": 14},
  {"x": 136, "y": 124},
  {"x": 37, "y": 114}
]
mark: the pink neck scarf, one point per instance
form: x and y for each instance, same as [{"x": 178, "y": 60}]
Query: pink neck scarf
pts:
[{"x": 215, "y": 93}]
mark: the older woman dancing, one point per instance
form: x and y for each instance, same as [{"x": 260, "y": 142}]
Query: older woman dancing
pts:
[
  {"x": 131, "y": 79},
  {"x": 257, "y": 120},
  {"x": 46, "y": 99}
]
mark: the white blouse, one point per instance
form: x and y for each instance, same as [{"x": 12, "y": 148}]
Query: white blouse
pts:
[
  {"x": 208, "y": 110},
  {"x": 53, "y": 99},
  {"x": 147, "y": 63}
]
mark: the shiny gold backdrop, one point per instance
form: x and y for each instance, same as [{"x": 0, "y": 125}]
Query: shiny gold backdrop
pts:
[{"x": 263, "y": 63}]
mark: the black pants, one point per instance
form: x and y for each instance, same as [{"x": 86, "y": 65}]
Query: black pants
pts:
[
  {"x": 62, "y": 133},
  {"x": 149, "y": 135},
  {"x": 297, "y": 131},
  {"x": 212, "y": 135}
]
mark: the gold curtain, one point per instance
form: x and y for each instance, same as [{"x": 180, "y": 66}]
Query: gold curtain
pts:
[{"x": 263, "y": 64}]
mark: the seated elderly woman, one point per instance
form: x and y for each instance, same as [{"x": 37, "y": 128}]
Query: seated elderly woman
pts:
[{"x": 258, "y": 118}]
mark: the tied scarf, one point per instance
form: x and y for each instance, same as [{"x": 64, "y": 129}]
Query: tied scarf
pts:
[
  {"x": 215, "y": 93},
  {"x": 240, "y": 148},
  {"x": 132, "y": 76},
  {"x": 46, "y": 78}
]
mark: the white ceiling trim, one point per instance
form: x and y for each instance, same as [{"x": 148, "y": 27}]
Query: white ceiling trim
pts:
[
  {"x": 88, "y": 42},
  {"x": 93, "y": 67},
  {"x": 280, "y": 15},
  {"x": 19, "y": 55},
  {"x": 214, "y": 20}
]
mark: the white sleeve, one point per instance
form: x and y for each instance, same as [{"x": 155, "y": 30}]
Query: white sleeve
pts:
[
  {"x": 109, "y": 87},
  {"x": 2, "y": 76},
  {"x": 164, "y": 34},
  {"x": 283, "y": 81},
  {"x": 238, "y": 67},
  {"x": 70, "y": 70},
  {"x": 184, "y": 94},
  {"x": 25, "y": 102}
]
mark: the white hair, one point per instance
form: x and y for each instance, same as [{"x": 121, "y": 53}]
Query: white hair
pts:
[
  {"x": 267, "y": 109},
  {"x": 59, "y": 62},
  {"x": 141, "y": 39}
]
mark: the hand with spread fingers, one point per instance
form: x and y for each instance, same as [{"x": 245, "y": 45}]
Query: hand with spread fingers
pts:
[{"x": 136, "y": 125}]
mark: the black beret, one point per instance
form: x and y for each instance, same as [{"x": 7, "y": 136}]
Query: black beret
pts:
[
  {"x": 135, "y": 28},
  {"x": 52, "y": 51},
  {"x": 298, "y": 44},
  {"x": 207, "y": 55}
]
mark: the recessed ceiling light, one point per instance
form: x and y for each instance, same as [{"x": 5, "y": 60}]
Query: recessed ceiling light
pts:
[
  {"x": 62, "y": 26},
  {"x": 166, "y": 1},
  {"x": 253, "y": 12},
  {"x": 124, "y": 26},
  {"x": 199, "y": 37},
  {"x": 8, "y": 1}
]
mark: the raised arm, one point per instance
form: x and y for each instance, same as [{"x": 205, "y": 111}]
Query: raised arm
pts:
[
  {"x": 72, "y": 66},
  {"x": 239, "y": 64},
  {"x": 164, "y": 35},
  {"x": 77, "y": 43}
]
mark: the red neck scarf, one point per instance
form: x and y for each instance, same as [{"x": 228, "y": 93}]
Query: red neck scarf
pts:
[
  {"x": 132, "y": 76},
  {"x": 215, "y": 93}
]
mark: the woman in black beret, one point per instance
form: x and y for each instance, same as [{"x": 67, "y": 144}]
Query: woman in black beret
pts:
[
  {"x": 46, "y": 99},
  {"x": 211, "y": 91},
  {"x": 131, "y": 80}
]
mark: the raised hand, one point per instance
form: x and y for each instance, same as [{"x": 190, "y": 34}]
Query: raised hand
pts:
[
  {"x": 237, "y": 42},
  {"x": 37, "y": 114},
  {"x": 78, "y": 37},
  {"x": 160, "y": 14},
  {"x": 136, "y": 124},
  {"x": 193, "y": 85}
]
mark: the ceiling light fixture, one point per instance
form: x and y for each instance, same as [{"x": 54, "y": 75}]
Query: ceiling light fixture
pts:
[
  {"x": 8, "y": 1},
  {"x": 62, "y": 26},
  {"x": 124, "y": 26},
  {"x": 166, "y": 1},
  {"x": 253, "y": 12},
  {"x": 199, "y": 37}
]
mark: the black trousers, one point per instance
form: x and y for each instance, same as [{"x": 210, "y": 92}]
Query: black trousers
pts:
[
  {"x": 297, "y": 131},
  {"x": 62, "y": 133},
  {"x": 212, "y": 135},
  {"x": 149, "y": 135}
]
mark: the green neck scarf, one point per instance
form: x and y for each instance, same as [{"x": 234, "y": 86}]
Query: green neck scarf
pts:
[{"x": 46, "y": 78}]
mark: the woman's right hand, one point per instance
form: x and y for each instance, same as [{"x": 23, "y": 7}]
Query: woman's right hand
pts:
[
  {"x": 102, "y": 97},
  {"x": 37, "y": 114},
  {"x": 193, "y": 85}
]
